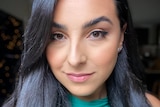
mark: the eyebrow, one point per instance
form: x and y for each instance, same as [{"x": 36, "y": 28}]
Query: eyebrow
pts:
[
  {"x": 60, "y": 26},
  {"x": 97, "y": 20},
  {"x": 88, "y": 24}
]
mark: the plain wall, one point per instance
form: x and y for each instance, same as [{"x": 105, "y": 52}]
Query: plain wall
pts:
[{"x": 17, "y": 8}]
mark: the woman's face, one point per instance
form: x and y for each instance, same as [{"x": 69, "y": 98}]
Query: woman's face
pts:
[{"x": 84, "y": 45}]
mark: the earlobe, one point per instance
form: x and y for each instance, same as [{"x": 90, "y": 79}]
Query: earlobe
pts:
[{"x": 120, "y": 48}]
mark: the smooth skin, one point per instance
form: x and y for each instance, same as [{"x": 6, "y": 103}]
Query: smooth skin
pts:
[
  {"x": 84, "y": 45},
  {"x": 80, "y": 46}
]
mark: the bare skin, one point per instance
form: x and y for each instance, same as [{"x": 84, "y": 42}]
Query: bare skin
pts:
[
  {"x": 153, "y": 100},
  {"x": 84, "y": 46}
]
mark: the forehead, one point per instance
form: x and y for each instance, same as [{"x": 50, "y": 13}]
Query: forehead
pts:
[{"x": 84, "y": 10}]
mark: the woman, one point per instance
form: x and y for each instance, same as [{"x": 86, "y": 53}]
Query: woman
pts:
[{"x": 80, "y": 53}]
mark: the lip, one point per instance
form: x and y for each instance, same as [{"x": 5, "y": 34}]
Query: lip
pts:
[{"x": 79, "y": 78}]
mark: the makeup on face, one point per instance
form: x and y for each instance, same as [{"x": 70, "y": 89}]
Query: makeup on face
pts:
[{"x": 82, "y": 52}]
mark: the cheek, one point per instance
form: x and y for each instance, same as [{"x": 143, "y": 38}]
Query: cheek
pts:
[
  {"x": 104, "y": 61},
  {"x": 55, "y": 57},
  {"x": 105, "y": 57}
]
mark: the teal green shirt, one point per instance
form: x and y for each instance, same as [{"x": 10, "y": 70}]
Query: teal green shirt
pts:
[{"x": 76, "y": 102}]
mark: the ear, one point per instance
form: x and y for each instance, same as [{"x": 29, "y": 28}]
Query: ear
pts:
[{"x": 122, "y": 35}]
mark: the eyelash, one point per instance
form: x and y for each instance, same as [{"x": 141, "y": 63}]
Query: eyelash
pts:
[
  {"x": 101, "y": 34},
  {"x": 55, "y": 37}
]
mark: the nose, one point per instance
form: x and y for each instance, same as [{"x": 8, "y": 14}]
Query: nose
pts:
[{"x": 76, "y": 55}]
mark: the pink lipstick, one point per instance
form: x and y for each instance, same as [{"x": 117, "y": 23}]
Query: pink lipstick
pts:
[{"x": 79, "y": 77}]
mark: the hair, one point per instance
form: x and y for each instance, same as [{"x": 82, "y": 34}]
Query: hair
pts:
[{"x": 37, "y": 86}]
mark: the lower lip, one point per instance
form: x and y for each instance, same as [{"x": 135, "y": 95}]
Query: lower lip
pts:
[{"x": 79, "y": 79}]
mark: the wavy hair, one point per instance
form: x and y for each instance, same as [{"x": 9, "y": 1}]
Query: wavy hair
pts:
[{"x": 37, "y": 86}]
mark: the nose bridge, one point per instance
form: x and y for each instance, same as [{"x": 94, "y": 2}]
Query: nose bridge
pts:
[
  {"x": 76, "y": 54},
  {"x": 74, "y": 49}
]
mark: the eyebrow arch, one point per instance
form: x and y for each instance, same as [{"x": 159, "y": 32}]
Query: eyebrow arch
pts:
[
  {"x": 97, "y": 20},
  {"x": 59, "y": 26},
  {"x": 89, "y": 24}
]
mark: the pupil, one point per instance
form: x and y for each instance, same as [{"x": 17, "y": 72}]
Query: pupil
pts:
[
  {"x": 59, "y": 36},
  {"x": 95, "y": 34}
]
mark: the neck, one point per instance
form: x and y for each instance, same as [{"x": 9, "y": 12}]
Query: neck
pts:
[{"x": 99, "y": 94}]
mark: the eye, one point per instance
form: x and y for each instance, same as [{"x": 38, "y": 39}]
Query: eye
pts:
[
  {"x": 57, "y": 37},
  {"x": 97, "y": 34}
]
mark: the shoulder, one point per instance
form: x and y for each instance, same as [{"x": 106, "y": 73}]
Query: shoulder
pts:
[{"x": 155, "y": 102}]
